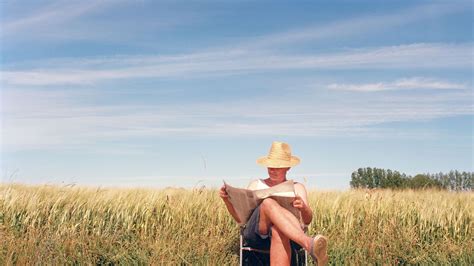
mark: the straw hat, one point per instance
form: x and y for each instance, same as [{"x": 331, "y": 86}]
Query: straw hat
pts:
[{"x": 279, "y": 156}]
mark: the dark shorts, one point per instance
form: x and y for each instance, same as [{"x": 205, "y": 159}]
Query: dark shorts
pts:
[{"x": 252, "y": 236}]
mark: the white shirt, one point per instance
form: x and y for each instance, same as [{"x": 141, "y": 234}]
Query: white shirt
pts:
[{"x": 257, "y": 184}]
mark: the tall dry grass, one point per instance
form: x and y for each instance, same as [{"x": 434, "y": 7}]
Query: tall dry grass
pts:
[{"x": 63, "y": 225}]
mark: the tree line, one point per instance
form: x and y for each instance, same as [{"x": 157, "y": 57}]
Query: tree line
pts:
[{"x": 385, "y": 178}]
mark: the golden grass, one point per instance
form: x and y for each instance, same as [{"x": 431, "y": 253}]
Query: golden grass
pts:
[{"x": 64, "y": 225}]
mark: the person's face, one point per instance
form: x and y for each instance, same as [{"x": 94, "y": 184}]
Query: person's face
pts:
[{"x": 277, "y": 173}]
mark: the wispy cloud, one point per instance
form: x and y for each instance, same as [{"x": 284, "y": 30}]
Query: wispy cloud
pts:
[
  {"x": 65, "y": 20},
  {"x": 400, "y": 84},
  {"x": 43, "y": 118},
  {"x": 89, "y": 71},
  {"x": 36, "y": 120},
  {"x": 56, "y": 13},
  {"x": 60, "y": 22},
  {"x": 356, "y": 25}
]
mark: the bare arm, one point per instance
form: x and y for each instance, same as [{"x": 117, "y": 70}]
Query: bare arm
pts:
[
  {"x": 225, "y": 197},
  {"x": 301, "y": 202}
]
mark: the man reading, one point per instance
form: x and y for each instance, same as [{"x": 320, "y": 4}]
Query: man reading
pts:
[{"x": 271, "y": 225}]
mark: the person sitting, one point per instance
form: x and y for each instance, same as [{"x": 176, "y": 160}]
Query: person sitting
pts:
[{"x": 272, "y": 225}]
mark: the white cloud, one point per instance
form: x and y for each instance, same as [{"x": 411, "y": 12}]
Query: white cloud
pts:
[
  {"x": 89, "y": 21},
  {"x": 427, "y": 83},
  {"x": 95, "y": 70},
  {"x": 400, "y": 84},
  {"x": 357, "y": 25},
  {"x": 55, "y": 14},
  {"x": 42, "y": 118},
  {"x": 66, "y": 21},
  {"x": 33, "y": 119}
]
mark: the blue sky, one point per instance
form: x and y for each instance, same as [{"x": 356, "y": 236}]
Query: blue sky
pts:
[{"x": 187, "y": 93}]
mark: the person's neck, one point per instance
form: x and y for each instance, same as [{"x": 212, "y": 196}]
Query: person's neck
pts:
[{"x": 274, "y": 181}]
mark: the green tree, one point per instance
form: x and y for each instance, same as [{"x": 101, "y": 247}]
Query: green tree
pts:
[
  {"x": 377, "y": 177},
  {"x": 370, "y": 178},
  {"x": 380, "y": 178},
  {"x": 422, "y": 181},
  {"x": 355, "y": 180}
]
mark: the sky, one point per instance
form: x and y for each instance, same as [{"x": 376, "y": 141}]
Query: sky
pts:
[{"x": 190, "y": 93}]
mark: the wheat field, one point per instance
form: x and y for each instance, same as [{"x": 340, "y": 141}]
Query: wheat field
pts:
[{"x": 83, "y": 225}]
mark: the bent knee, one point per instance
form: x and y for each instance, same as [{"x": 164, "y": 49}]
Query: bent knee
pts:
[{"x": 268, "y": 203}]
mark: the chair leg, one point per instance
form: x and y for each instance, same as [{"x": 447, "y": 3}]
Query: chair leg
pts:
[
  {"x": 305, "y": 257},
  {"x": 241, "y": 253}
]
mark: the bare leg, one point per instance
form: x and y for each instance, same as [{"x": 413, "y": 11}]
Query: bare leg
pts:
[
  {"x": 280, "y": 248},
  {"x": 272, "y": 213}
]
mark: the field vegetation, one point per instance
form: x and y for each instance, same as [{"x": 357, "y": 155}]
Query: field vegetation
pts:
[{"x": 80, "y": 225}]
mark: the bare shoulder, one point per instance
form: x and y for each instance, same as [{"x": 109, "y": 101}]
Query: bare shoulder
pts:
[{"x": 300, "y": 187}]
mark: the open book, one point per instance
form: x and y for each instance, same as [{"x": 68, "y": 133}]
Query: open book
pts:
[{"x": 246, "y": 200}]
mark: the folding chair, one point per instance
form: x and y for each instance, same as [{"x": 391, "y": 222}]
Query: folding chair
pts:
[{"x": 254, "y": 256}]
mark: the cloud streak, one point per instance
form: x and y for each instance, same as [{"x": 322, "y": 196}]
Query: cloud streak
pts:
[
  {"x": 66, "y": 21},
  {"x": 37, "y": 120},
  {"x": 401, "y": 84},
  {"x": 54, "y": 14},
  {"x": 37, "y": 115},
  {"x": 356, "y": 26},
  {"x": 92, "y": 71}
]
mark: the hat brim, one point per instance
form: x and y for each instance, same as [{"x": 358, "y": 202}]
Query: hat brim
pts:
[{"x": 274, "y": 163}]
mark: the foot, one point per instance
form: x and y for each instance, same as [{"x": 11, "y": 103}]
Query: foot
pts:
[{"x": 319, "y": 250}]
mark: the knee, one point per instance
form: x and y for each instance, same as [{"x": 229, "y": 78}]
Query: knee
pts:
[{"x": 268, "y": 203}]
